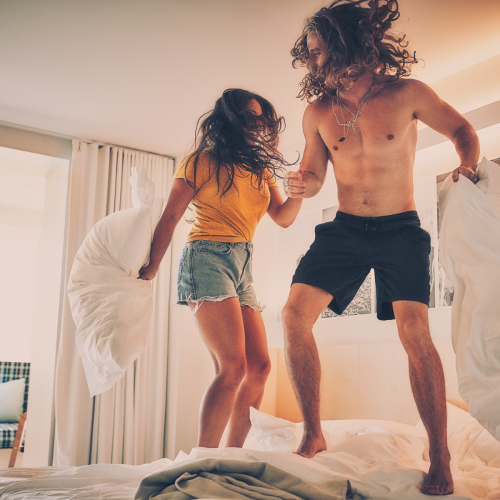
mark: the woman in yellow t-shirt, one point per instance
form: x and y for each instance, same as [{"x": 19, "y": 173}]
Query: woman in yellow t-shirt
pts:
[{"x": 229, "y": 179}]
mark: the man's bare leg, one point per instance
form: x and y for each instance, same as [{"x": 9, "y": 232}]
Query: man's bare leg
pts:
[
  {"x": 301, "y": 311},
  {"x": 428, "y": 386}
]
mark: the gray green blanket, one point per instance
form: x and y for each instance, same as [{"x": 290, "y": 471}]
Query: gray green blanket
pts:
[{"x": 235, "y": 479}]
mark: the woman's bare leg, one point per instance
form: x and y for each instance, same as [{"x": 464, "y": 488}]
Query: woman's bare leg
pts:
[
  {"x": 252, "y": 387},
  {"x": 222, "y": 330}
]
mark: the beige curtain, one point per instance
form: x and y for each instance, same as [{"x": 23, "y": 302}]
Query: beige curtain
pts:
[{"x": 127, "y": 423}]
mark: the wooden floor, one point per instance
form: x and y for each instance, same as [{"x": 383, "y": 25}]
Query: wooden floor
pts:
[{"x": 5, "y": 457}]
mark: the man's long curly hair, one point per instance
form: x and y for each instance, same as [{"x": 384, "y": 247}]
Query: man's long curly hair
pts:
[
  {"x": 238, "y": 141},
  {"x": 357, "y": 39}
]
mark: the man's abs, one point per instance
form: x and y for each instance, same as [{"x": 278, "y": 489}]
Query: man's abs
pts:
[{"x": 373, "y": 191}]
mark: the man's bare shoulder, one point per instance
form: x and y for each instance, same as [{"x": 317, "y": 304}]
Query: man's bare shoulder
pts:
[
  {"x": 409, "y": 87},
  {"x": 317, "y": 108}
]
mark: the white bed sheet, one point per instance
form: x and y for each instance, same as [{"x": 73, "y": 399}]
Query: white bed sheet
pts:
[{"x": 382, "y": 460}]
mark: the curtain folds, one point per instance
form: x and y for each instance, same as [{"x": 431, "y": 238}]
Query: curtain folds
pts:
[{"x": 127, "y": 423}]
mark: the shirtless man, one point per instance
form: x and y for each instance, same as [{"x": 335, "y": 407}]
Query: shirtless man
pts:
[{"x": 362, "y": 117}]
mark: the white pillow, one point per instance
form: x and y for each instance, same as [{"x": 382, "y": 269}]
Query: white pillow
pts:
[
  {"x": 489, "y": 176},
  {"x": 275, "y": 434},
  {"x": 112, "y": 308},
  {"x": 12, "y": 400}
]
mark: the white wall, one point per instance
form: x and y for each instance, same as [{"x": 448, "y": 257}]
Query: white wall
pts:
[
  {"x": 22, "y": 192},
  {"x": 18, "y": 260},
  {"x": 48, "y": 297}
]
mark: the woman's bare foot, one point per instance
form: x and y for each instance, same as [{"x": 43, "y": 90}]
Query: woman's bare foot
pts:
[
  {"x": 438, "y": 480},
  {"x": 310, "y": 445}
]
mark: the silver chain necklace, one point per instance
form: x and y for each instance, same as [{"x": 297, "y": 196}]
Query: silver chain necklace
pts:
[{"x": 354, "y": 114}]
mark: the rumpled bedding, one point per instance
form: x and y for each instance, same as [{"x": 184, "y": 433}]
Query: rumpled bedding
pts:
[
  {"x": 112, "y": 309},
  {"x": 236, "y": 479},
  {"x": 469, "y": 247},
  {"x": 92, "y": 482}
]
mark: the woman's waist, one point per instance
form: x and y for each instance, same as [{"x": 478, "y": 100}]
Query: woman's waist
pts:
[{"x": 222, "y": 228}]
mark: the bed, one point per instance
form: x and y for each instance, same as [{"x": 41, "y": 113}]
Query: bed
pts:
[{"x": 380, "y": 459}]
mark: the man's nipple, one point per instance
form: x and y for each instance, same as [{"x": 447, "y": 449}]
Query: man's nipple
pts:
[
  {"x": 390, "y": 137},
  {"x": 365, "y": 202}
]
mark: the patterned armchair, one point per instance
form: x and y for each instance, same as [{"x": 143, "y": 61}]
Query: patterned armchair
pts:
[{"x": 9, "y": 435}]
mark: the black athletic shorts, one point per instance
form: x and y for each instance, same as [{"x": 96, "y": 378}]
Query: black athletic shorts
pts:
[{"x": 345, "y": 250}]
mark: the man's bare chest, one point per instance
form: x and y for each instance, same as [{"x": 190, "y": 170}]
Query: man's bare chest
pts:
[{"x": 379, "y": 130}]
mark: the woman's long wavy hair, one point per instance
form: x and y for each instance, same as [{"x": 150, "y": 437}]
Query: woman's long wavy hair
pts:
[
  {"x": 238, "y": 141},
  {"x": 357, "y": 39}
]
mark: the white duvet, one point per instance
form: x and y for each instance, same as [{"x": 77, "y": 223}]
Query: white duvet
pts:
[
  {"x": 381, "y": 459},
  {"x": 469, "y": 247},
  {"x": 112, "y": 309}
]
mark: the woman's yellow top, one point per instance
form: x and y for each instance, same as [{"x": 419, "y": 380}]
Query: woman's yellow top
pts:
[{"x": 231, "y": 217}]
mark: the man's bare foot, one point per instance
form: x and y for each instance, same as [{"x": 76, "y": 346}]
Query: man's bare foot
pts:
[
  {"x": 310, "y": 445},
  {"x": 438, "y": 480}
]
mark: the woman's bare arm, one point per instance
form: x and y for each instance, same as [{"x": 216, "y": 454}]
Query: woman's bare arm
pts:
[
  {"x": 283, "y": 212},
  {"x": 179, "y": 198}
]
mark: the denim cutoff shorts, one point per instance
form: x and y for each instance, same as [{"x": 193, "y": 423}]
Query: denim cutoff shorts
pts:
[{"x": 214, "y": 271}]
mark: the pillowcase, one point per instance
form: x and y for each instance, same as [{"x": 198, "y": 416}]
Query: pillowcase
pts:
[
  {"x": 275, "y": 434},
  {"x": 12, "y": 400},
  {"x": 111, "y": 308}
]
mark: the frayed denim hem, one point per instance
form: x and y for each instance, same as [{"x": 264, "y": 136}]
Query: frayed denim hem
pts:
[
  {"x": 184, "y": 302},
  {"x": 260, "y": 307},
  {"x": 200, "y": 301}
]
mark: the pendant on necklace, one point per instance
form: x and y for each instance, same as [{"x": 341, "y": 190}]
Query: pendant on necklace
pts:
[{"x": 342, "y": 139}]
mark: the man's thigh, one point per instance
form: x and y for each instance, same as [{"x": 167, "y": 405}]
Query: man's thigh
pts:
[
  {"x": 337, "y": 263},
  {"x": 305, "y": 304},
  {"x": 401, "y": 263}
]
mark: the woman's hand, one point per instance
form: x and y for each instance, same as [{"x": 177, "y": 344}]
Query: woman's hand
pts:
[
  {"x": 147, "y": 272},
  {"x": 178, "y": 201}
]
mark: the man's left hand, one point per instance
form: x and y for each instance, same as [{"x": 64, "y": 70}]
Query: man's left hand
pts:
[{"x": 468, "y": 172}]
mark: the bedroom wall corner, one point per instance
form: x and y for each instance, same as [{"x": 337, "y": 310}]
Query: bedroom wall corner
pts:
[{"x": 24, "y": 139}]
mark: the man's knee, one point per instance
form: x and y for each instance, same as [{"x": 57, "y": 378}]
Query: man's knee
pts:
[
  {"x": 292, "y": 315},
  {"x": 297, "y": 324},
  {"x": 413, "y": 329}
]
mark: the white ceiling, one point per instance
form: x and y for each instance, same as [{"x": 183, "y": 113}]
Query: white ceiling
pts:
[{"x": 140, "y": 73}]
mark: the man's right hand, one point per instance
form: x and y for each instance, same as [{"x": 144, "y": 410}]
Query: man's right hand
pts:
[
  {"x": 147, "y": 272},
  {"x": 295, "y": 187}
]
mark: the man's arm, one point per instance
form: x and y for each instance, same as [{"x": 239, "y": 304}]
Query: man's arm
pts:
[
  {"x": 440, "y": 116},
  {"x": 309, "y": 179}
]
